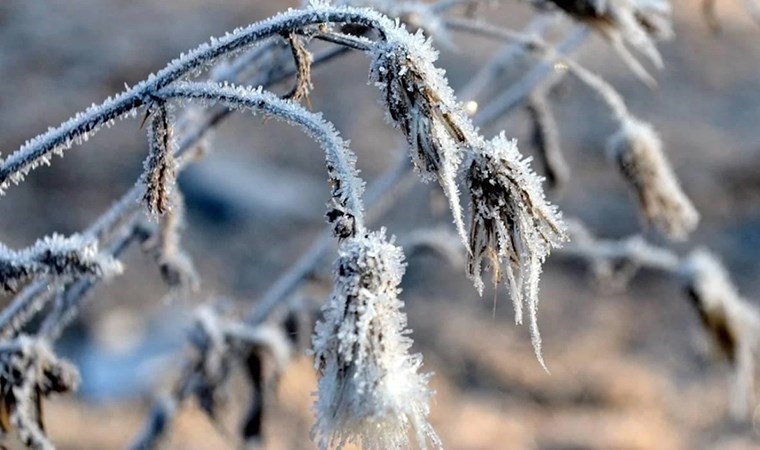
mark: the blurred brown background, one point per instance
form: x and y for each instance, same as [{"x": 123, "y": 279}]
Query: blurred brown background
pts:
[{"x": 629, "y": 370}]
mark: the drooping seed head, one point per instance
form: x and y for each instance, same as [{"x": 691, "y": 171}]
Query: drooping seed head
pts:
[
  {"x": 512, "y": 226},
  {"x": 637, "y": 150},
  {"x": 370, "y": 390}
]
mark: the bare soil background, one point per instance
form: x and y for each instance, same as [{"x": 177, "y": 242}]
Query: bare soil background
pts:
[{"x": 628, "y": 368}]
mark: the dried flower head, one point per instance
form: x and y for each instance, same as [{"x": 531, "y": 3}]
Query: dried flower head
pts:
[
  {"x": 637, "y": 150},
  {"x": 732, "y": 323},
  {"x": 370, "y": 388},
  {"x": 420, "y": 102},
  {"x": 634, "y": 23},
  {"x": 511, "y": 222},
  {"x": 29, "y": 372}
]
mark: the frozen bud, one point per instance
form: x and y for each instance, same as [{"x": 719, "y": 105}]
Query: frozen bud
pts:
[
  {"x": 637, "y": 150},
  {"x": 370, "y": 390},
  {"x": 513, "y": 227}
]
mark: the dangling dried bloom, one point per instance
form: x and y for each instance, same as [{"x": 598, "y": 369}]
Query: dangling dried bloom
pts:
[
  {"x": 636, "y": 23},
  {"x": 303, "y": 60},
  {"x": 511, "y": 222},
  {"x": 731, "y": 322},
  {"x": 421, "y": 103},
  {"x": 370, "y": 388},
  {"x": 637, "y": 150},
  {"x": 160, "y": 166}
]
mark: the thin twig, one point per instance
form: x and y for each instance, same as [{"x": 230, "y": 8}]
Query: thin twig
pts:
[{"x": 33, "y": 298}]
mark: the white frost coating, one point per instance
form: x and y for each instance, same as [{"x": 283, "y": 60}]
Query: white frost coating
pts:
[
  {"x": 370, "y": 388},
  {"x": 55, "y": 255},
  {"x": 511, "y": 218},
  {"x": 512, "y": 226},
  {"x": 637, "y": 150},
  {"x": 159, "y": 175}
]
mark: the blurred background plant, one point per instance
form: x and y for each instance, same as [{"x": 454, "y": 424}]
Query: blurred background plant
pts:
[{"x": 221, "y": 357}]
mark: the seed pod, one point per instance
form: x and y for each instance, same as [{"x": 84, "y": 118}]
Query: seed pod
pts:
[{"x": 637, "y": 151}]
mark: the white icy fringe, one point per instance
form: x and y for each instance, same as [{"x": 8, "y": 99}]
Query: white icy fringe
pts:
[
  {"x": 370, "y": 388},
  {"x": 512, "y": 225},
  {"x": 637, "y": 150}
]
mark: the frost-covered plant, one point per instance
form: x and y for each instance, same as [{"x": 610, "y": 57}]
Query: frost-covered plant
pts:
[
  {"x": 371, "y": 391},
  {"x": 55, "y": 256},
  {"x": 510, "y": 217},
  {"x": 371, "y": 388},
  {"x": 512, "y": 225},
  {"x": 634, "y": 23},
  {"x": 660, "y": 196},
  {"x": 30, "y": 372},
  {"x": 637, "y": 150},
  {"x": 732, "y": 324},
  {"x": 421, "y": 103}
]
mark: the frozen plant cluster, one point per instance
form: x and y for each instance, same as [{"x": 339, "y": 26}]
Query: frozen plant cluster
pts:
[{"x": 372, "y": 390}]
